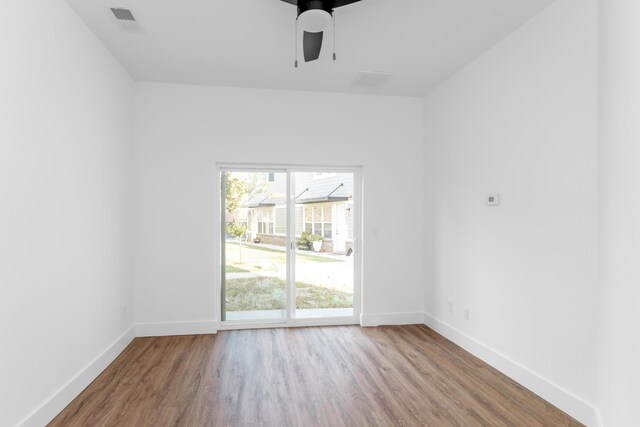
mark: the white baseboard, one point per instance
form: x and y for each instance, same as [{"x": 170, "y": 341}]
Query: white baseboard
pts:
[
  {"x": 543, "y": 387},
  {"x": 176, "y": 328},
  {"x": 380, "y": 319},
  {"x": 61, "y": 398}
]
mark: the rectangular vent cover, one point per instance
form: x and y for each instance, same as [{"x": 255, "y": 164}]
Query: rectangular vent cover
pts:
[
  {"x": 371, "y": 79},
  {"x": 122, "y": 14}
]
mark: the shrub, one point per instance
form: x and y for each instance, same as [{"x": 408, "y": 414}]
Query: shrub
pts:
[{"x": 303, "y": 242}]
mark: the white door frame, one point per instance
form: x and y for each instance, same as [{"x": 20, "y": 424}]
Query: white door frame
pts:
[{"x": 290, "y": 320}]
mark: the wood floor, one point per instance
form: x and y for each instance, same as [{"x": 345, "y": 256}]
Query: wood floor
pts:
[{"x": 331, "y": 376}]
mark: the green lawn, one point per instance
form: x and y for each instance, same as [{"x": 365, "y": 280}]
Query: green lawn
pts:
[
  {"x": 234, "y": 269},
  {"x": 251, "y": 252},
  {"x": 299, "y": 253},
  {"x": 256, "y": 258},
  {"x": 268, "y": 293}
]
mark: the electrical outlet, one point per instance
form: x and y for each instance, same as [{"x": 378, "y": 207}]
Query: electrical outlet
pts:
[
  {"x": 450, "y": 307},
  {"x": 124, "y": 312},
  {"x": 466, "y": 313}
]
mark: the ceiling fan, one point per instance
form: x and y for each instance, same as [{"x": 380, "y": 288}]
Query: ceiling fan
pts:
[{"x": 314, "y": 16}]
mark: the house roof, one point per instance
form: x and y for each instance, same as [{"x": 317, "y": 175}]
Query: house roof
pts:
[
  {"x": 265, "y": 200},
  {"x": 309, "y": 189}
]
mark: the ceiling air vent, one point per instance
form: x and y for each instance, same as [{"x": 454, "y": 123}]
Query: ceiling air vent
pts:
[
  {"x": 122, "y": 14},
  {"x": 371, "y": 79}
]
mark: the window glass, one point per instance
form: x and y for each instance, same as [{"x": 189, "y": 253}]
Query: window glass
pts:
[
  {"x": 327, "y": 213},
  {"x": 327, "y": 230}
]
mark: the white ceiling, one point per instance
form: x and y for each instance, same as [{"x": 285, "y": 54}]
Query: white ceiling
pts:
[{"x": 250, "y": 43}]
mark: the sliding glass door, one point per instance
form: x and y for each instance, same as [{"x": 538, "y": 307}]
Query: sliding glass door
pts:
[{"x": 288, "y": 245}]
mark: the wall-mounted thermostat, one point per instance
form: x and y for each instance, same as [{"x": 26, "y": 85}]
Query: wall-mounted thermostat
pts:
[{"x": 493, "y": 199}]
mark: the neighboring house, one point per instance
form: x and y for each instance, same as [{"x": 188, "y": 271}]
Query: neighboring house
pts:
[{"x": 323, "y": 206}]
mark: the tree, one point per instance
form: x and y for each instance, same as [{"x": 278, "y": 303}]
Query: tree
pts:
[
  {"x": 237, "y": 230},
  {"x": 236, "y": 190}
]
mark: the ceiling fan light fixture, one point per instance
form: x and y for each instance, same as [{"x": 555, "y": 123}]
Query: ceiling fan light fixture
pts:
[{"x": 314, "y": 20}]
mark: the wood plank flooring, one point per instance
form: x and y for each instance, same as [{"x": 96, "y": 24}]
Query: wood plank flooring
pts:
[{"x": 330, "y": 376}]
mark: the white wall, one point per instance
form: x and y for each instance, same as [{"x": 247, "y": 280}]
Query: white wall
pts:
[
  {"x": 521, "y": 121},
  {"x": 182, "y": 131},
  {"x": 66, "y": 220},
  {"x": 619, "y": 371}
]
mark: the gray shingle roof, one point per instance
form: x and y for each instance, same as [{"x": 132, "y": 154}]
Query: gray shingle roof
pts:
[{"x": 338, "y": 187}]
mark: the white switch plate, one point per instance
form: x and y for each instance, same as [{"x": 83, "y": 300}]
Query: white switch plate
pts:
[
  {"x": 493, "y": 199},
  {"x": 466, "y": 314}
]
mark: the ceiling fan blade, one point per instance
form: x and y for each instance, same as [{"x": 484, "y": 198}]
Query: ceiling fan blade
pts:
[
  {"x": 340, "y": 3},
  {"x": 312, "y": 44}
]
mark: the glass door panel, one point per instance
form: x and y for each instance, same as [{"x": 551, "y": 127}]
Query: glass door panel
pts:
[
  {"x": 324, "y": 234},
  {"x": 253, "y": 250}
]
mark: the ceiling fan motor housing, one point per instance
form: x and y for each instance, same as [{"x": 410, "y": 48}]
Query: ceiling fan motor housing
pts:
[
  {"x": 304, "y": 6},
  {"x": 313, "y": 16}
]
